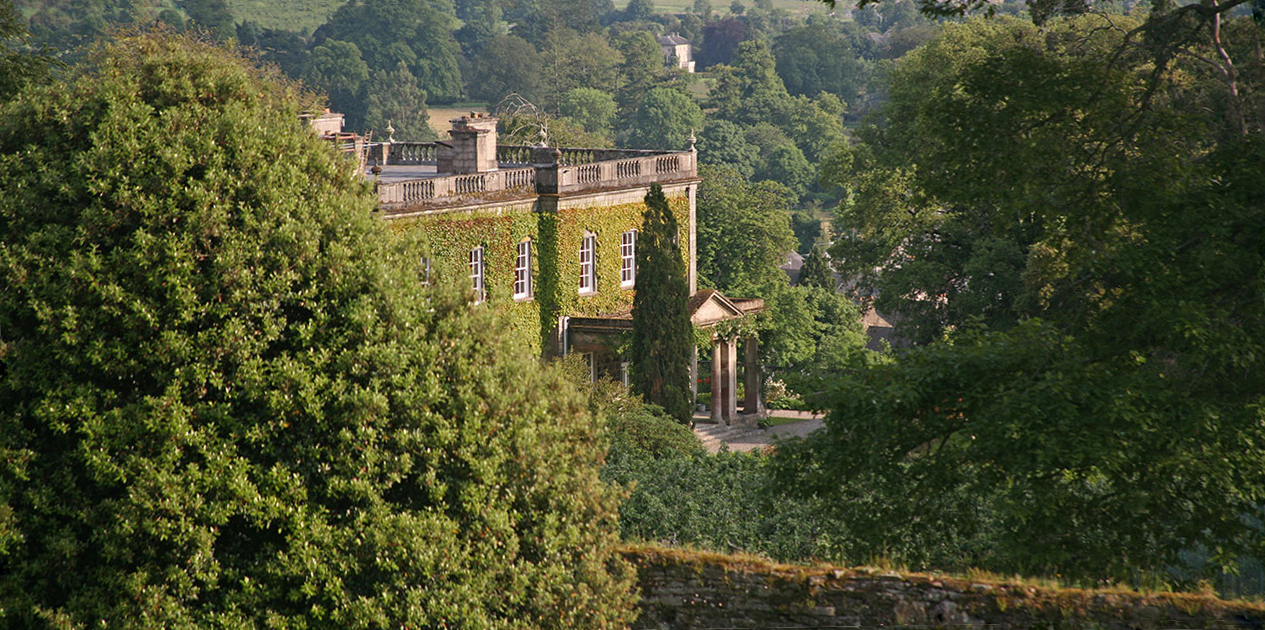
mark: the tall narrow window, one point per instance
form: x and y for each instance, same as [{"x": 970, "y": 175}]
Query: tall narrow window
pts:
[
  {"x": 522, "y": 271},
  {"x": 628, "y": 259},
  {"x": 588, "y": 268},
  {"x": 425, "y": 269},
  {"x": 476, "y": 273}
]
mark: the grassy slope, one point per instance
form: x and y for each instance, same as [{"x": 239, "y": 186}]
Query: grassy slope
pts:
[{"x": 306, "y": 15}]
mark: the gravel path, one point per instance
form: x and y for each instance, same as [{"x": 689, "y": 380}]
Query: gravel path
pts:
[{"x": 747, "y": 439}]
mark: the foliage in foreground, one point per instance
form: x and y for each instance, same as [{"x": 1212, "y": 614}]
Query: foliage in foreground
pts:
[
  {"x": 1095, "y": 396},
  {"x": 681, "y": 495},
  {"x": 223, "y": 403}
]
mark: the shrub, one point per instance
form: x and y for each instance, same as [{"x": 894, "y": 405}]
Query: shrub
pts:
[{"x": 225, "y": 402}]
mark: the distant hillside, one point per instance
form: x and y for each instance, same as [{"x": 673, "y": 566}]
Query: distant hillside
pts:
[{"x": 302, "y": 16}]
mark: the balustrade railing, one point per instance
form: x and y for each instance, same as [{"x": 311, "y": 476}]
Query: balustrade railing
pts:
[
  {"x": 519, "y": 178},
  {"x": 412, "y": 153},
  {"x": 621, "y": 168},
  {"x": 431, "y": 188},
  {"x": 627, "y": 168},
  {"x": 513, "y": 154}
]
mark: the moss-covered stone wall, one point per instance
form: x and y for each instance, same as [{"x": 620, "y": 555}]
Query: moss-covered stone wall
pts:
[{"x": 683, "y": 589}]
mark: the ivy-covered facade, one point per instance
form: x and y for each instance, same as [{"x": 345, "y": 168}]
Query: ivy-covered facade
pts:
[
  {"x": 554, "y": 230},
  {"x": 544, "y": 235}
]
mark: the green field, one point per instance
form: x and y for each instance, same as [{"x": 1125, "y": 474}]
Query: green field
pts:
[
  {"x": 796, "y": 7},
  {"x": 439, "y": 116},
  {"x": 307, "y": 15}
]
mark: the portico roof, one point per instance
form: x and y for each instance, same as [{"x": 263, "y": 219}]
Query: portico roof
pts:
[{"x": 707, "y": 308}]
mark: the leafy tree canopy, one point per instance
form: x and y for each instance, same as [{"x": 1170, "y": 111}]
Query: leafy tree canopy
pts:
[
  {"x": 722, "y": 143},
  {"x": 817, "y": 58},
  {"x": 1096, "y": 405},
  {"x": 574, "y": 60},
  {"x": 394, "y": 99},
  {"x": 224, "y": 401},
  {"x": 666, "y": 118},
  {"x": 417, "y": 33},
  {"x": 506, "y": 65},
  {"x": 743, "y": 232},
  {"x": 337, "y": 69},
  {"x": 594, "y": 110},
  {"x": 18, "y": 68}
]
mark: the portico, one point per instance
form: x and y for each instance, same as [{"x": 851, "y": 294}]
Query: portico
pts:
[{"x": 734, "y": 351}]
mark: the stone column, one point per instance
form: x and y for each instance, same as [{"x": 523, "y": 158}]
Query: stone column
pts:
[
  {"x": 751, "y": 400},
  {"x": 694, "y": 375},
  {"x": 717, "y": 380},
  {"x": 729, "y": 379}
]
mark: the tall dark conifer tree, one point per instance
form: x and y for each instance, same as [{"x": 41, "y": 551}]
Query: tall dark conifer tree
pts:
[
  {"x": 816, "y": 271},
  {"x": 662, "y": 338}
]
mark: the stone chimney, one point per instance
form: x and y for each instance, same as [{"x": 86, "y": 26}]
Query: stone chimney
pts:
[{"x": 473, "y": 145}]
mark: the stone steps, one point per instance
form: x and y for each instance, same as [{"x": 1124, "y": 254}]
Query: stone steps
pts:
[{"x": 713, "y": 435}]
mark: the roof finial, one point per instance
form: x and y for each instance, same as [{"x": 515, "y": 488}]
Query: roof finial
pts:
[{"x": 390, "y": 132}]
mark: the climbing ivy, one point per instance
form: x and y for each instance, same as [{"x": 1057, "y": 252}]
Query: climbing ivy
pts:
[
  {"x": 447, "y": 240},
  {"x": 556, "y": 235}
]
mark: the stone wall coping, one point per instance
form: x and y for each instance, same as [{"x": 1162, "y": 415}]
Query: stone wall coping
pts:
[{"x": 702, "y": 589}]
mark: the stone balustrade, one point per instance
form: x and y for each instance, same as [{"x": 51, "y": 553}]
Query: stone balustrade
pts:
[
  {"x": 406, "y": 152},
  {"x": 616, "y": 169},
  {"x": 513, "y": 154},
  {"x": 434, "y": 188},
  {"x": 552, "y": 171}
]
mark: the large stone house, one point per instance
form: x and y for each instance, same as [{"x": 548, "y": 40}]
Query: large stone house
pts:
[
  {"x": 677, "y": 52},
  {"x": 548, "y": 236}
]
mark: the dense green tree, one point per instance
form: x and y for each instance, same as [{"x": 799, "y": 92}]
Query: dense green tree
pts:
[
  {"x": 810, "y": 337},
  {"x": 573, "y": 60},
  {"x": 721, "y": 39},
  {"x": 817, "y": 271},
  {"x": 780, "y": 160},
  {"x": 18, "y": 68},
  {"x": 750, "y": 91},
  {"x": 809, "y": 123},
  {"x": 337, "y": 69},
  {"x": 641, "y": 70},
  {"x": 744, "y": 232},
  {"x": 638, "y": 11},
  {"x": 818, "y": 58},
  {"x": 212, "y": 16},
  {"x": 481, "y": 20},
  {"x": 507, "y": 64},
  {"x": 787, "y": 165},
  {"x": 394, "y": 99},
  {"x": 65, "y": 25},
  {"x": 1113, "y": 418},
  {"x": 666, "y": 118},
  {"x": 594, "y": 110},
  {"x": 415, "y": 32},
  {"x": 534, "y": 19},
  {"x": 224, "y": 403},
  {"x": 285, "y": 49},
  {"x": 662, "y": 342},
  {"x": 722, "y": 143}
]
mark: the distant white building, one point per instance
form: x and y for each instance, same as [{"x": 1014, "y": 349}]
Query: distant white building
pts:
[{"x": 676, "y": 50}]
